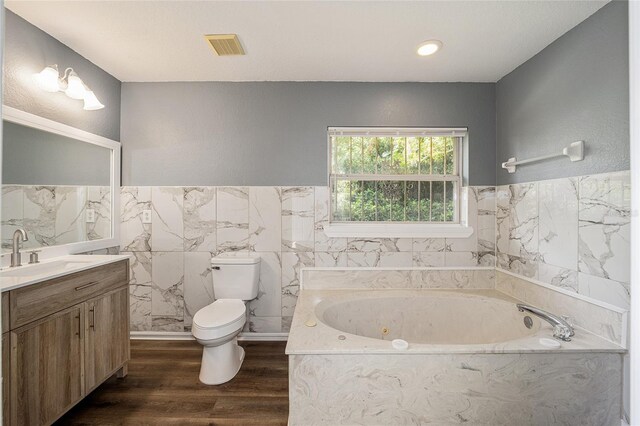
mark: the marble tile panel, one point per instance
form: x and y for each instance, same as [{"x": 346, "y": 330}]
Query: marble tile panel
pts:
[
  {"x": 134, "y": 234},
  {"x": 428, "y": 258},
  {"x": 232, "y": 219},
  {"x": 558, "y": 276},
  {"x": 286, "y": 324},
  {"x": 263, "y": 324},
  {"x": 322, "y": 242},
  {"x": 39, "y": 216},
  {"x": 428, "y": 244},
  {"x": 12, "y": 213},
  {"x": 99, "y": 200},
  {"x": 167, "y": 323},
  {"x": 199, "y": 215},
  {"x": 291, "y": 264},
  {"x": 269, "y": 300},
  {"x": 486, "y": 196},
  {"x": 167, "y": 274},
  {"x": 198, "y": 284},
  {"x": 265, "y": 218},
  {"x": 609, "y": 291},
  {"x": 140, "y": 289},
  {"x": 486, "y": 232},
  {"x": 558, "y": 233},
  {"x": 167, "y": 218},
  {"x": 330, "y": 259},
  {"x": 604, "y": 226},
  {"x": 503, "y": 197},
  {"x": 487, "y": 258},
  {"x": 462, "y": 258},
  {"x": 70, "y": 224},
  {"x": 298, "y": 219},
  {"x": 380, "y": 245},
  {"x": 379, "y": 259},
  {"x": 523, "y": 220}
]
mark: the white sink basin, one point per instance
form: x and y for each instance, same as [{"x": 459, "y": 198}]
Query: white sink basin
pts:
[{"x": 52, "y": 267}]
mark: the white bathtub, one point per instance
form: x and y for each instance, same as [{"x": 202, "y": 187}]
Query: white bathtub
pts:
[
  {"x": 427, "y": 317},
  {"x": 470, "y": 360}
]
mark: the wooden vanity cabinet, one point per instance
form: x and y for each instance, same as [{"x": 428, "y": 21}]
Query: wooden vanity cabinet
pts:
[{"x": 54, "y": 359}]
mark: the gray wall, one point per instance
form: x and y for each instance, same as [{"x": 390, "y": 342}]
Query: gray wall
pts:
[
  {"x": 575, "y": 89},
  {"x": 276, "y": 133},
  {"x": 34, "y": 157},
  {"x": 27, "y": 51}
]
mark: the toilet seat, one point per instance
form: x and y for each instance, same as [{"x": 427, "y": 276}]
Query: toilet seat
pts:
[{"x": 219, "y": 319}]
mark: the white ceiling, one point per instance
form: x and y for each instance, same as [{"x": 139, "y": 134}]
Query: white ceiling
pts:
[{"x": 307, "y": 40}]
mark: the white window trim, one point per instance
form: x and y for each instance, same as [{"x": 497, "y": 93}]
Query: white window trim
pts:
[{"x": 460, "y": 229}]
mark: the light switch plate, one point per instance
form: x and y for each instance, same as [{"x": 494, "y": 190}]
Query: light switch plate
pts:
[
  {"x": 91, "y": 216},
  {"x": 146, "y": 216}
]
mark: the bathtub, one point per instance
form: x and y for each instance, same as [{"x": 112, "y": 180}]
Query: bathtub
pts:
[{"x": 436, "y": 356}]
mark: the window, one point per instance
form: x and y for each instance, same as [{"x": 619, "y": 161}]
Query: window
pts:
[{"x": 395, "y": 175}]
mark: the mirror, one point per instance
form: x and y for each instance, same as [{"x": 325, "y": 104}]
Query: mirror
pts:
[{"x": 55, "y": 185}]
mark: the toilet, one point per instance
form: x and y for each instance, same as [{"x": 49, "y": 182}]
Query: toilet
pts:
[{"x": 235, "y": 281}]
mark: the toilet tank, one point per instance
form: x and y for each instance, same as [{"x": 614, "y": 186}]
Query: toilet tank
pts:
[{"x": 235, "y": 276}]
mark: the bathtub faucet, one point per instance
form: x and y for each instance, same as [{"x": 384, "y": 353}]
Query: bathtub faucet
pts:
[{"x": 561, "y": 328}]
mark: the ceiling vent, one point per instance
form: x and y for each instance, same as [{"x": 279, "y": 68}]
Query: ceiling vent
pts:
[{"x": 225, "y": 44}]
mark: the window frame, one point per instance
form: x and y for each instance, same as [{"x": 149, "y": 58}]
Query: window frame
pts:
[{"x": 456, "y": 177}]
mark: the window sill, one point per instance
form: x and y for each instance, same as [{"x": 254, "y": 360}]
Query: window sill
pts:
[{"x": 397, "y": 230}]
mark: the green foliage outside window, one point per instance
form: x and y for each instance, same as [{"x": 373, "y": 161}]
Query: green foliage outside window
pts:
[{"x": 382, "y": 179}]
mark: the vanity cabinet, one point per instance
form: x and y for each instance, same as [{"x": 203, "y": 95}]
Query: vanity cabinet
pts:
[{"x": 67, "y": 335}]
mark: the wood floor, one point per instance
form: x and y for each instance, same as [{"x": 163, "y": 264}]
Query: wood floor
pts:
[{"x": 162, "y": 388}]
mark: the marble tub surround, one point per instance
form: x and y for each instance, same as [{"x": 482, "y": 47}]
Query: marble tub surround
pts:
[
  {"x": 284, "y": 225},
  {"x": 506, "y": 389},
  {"x": 601, "y": 319},
  {"x": 572, "y": 233},
  {"x": 54, "y": 215},
  {"x": 396, "y": 278}
]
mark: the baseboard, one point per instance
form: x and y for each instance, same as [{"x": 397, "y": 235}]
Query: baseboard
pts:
[{"x": 185, "y": 335}]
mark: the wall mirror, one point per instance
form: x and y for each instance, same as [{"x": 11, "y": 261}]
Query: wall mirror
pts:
[{"x": 59, "y": 183}]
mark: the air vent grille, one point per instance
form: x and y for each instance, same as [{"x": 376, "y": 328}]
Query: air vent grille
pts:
[{"x": 225, "y": 44}]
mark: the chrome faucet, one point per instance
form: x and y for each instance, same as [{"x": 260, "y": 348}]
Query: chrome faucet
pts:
[
  {"x": 561, "y": 328},
  {"x": 18, "y": 235}
]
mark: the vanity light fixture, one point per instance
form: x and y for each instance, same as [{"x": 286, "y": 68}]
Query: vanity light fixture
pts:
[
  {"x": 71, "y": 84},
  {"x": 429, "y": 47}
]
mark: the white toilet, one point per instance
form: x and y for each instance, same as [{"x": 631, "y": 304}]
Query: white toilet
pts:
[{"x": 235, "y": 281}]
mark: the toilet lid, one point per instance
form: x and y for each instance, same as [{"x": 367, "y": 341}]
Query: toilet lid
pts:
[{"x": 219, "y": 313}]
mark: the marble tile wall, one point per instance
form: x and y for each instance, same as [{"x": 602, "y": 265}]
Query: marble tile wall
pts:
[
  {"x": 54, "y": 215},
  {"x": 284, "y": 225},
  {"x": 572, "y": 233}
]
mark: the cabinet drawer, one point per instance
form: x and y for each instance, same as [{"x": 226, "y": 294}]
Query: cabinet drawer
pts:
[{"x": 39, "y": 300}]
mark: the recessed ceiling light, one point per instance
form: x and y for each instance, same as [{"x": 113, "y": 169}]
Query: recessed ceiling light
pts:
[{"x": 429, "y": 47}]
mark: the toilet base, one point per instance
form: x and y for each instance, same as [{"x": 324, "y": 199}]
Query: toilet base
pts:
[{"x": 221, "y": 363}]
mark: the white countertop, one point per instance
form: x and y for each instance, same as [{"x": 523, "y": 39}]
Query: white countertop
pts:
[
  {"x": 13, "y": 278},
  {"x": 320, "y": 338}
]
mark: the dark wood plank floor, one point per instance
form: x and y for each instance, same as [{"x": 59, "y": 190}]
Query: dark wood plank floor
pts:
[{"x": 163, "y": 388}]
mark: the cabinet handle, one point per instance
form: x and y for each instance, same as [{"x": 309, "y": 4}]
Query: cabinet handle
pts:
[
  {"x": 82, "y": 287},
  {"x": 79, "y": 333},
  {"x": 92, "y": 319}
]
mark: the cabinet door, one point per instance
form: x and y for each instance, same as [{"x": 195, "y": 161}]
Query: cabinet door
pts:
[
  {"x": 107, "y": 335},
  {"x": 6, "y": 374},
  {"x": 47, "y": 361}
]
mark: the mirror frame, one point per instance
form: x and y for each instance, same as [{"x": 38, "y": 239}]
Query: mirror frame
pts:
[{"x": 31, "y": 120}]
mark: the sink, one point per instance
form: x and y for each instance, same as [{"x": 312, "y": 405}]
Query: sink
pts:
[{"x": 44, "y": 268}]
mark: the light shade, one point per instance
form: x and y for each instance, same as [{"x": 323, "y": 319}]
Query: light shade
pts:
[
  {"x": 75, "y": 87},
  {"x": 429, "y": 47},
  {"x": 47, "y": 79},
  {"x": 91, "y": 102}
]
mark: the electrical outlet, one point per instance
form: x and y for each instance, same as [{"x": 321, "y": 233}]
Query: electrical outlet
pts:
[
  {"x": 146, "y": 216},
  {"x": 91, "y": 216}
]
